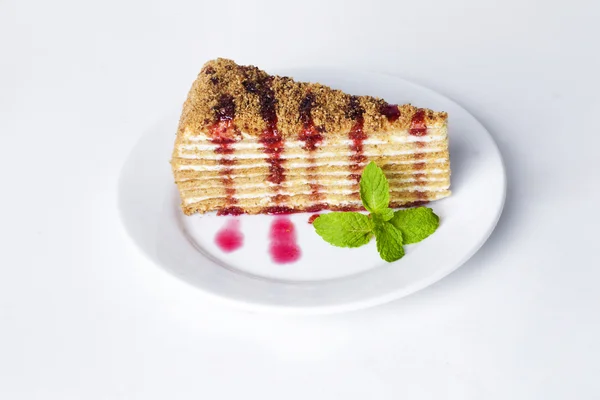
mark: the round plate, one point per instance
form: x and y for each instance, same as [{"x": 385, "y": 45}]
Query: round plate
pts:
[{"x": 325, "y": 279}]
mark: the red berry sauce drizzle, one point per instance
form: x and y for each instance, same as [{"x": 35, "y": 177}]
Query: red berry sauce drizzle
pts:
[
  {"x": 418, "y": 127},
  {"x": 230, "y": 237},
  {"x": 358, "y": 136},
  {"x": 283, "y": 247},
  {"x": 417, "y": 124},
  {"x": 313, "y": 217},
  {"x": 391, "y": 112},
  {"x": 271, "y": 139},
  {"x": 311, "y": 136},
  {"x": 224, "y": 133}
]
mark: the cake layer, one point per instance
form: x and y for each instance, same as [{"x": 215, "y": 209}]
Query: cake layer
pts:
[
  {"x": 297, "y": 149},
  {"x": 319, "y": 155},
  {"x": 347, "y": 187},
  {"x": 243, "y": 181},
  {"x": 346, "y": 159},
  {"x": 422, "y": 166},
  {"x": 323, "y": 173},
  {"x": 306, "y": 203}
]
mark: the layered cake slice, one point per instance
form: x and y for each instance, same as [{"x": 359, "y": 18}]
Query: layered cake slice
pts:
[{"x": 249, "y": 142}]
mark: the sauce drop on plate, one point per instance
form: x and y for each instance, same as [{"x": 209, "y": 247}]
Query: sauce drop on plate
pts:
[
  {"x": 230, "y": 237},
  {"x": 283, "y": 247}
]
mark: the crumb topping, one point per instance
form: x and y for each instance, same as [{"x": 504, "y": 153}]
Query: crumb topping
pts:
[{"x": 255, "y": 100}]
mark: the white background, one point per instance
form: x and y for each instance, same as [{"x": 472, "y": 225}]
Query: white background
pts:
[{"x": 83, "y": 315}]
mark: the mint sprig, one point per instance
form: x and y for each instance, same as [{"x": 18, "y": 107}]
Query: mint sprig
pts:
[{"x": 391, "y": 229}]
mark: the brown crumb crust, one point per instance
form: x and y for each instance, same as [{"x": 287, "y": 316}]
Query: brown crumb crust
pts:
[{"x": 331, "y": 112}]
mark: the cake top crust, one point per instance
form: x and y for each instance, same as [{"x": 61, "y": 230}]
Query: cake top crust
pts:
[{"x": 253, "y": 102}]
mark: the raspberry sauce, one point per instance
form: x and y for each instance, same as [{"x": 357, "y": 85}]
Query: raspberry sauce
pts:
[
  {"x": 230, "y": 237},
  {"x": 278, "y": 210},
  {"x": 349, "y": 208},
  {"x": 357, "y": 135},
  {"x": 224, "y": 133},
  {"x": 417, "y": 124},
  {"x": 271, "y": 138},
  {"x": 391, "y": 112},
  {"x": 311, "y": 136},
  {"x": 313, "y": 217},
  {"x": 283, "y": 247},
  {"x": 273, "y": 147}
]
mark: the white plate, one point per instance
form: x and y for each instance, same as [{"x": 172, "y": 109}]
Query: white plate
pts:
[{"x": 325, "y": 279}]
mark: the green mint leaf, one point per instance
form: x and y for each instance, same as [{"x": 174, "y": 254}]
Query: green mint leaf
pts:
[
  {"x": 415, "y": 223},
  {"x": 382, "y": 216},
  {"x": 344, "y": 229},
  {"x": 374, "y": 189},
  {"x": 389, "y": 241},
  {"x": 386, "y": 214}
]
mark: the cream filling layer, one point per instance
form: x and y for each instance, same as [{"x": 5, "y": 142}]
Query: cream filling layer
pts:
[
  {"x": 292, "y": 165},
  {"x": 283, "y": 155},
  {"x": 298, "y": 182},
  {"x": 191, "y": 200},
  {"x": 321, "y": 173}
]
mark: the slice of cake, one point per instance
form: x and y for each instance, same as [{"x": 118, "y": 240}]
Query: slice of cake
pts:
[{"x": 249, "y": 142}]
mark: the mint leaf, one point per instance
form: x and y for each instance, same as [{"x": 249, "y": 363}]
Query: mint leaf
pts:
[
  {"x": 386, "y": 214},
  {"x": 383, "y": 216},
  {"x": 344, "y": 229},
  {"x": 389, "y": 241},
  {"x": 415, "y": 223},
  {"x": 374, "y": 189}
]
